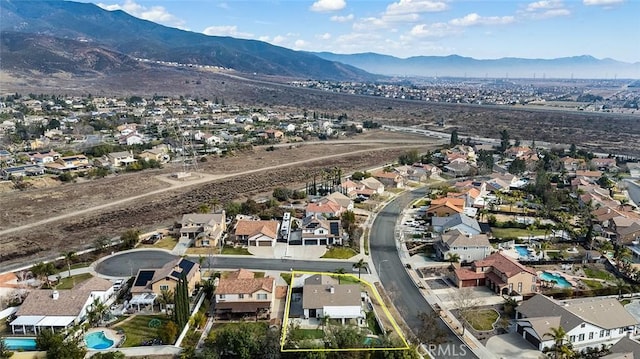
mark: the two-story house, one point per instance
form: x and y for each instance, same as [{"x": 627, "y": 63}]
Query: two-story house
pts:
[
  {"x": 588, "y": 322},
  {"x": 445, "y": 206},
  {"x": 166, "y": 278},
  {"x": 319, "y": 231},
  {"x": 389, "y": 179},
  {"x": 240, "y": 292},
  {"x": 206, "y": 229},
  {"x": 500, "y": 273},
  {"x": 465, "y": 246},
  {"x": 120, "y": 159}
]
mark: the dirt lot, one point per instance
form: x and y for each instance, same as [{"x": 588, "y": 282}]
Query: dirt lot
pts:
[{"x": 164, "y": 208}]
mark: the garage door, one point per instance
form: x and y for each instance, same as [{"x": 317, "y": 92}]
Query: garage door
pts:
[
  {"x": 310, "y": 242},
  {"x": 531, "y": 339},
  {"x": 264, "y": 244}
]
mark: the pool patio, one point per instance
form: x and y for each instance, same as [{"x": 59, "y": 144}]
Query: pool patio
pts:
[{"x": 118, "y": 339}]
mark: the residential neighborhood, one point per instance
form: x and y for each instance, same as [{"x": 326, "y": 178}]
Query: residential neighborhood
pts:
[{"x": 507, "y": 247}]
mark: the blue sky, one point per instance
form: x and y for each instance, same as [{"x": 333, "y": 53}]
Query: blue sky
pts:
[{"x": 476, "y": 28}]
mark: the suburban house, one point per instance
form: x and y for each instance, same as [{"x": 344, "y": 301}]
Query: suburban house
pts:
[
  {"x": 604, "y": 164},
  {"x": 467, "y": 247},
  {"x": 325, "y": 207},
  {"x": 625, "y": 348},
  {"x": 120, "y": 159},
  {"x": 500, "y": 273},
  {"x": 458, "y": 221},
  {"x": 21, "y": 171},
  {"x": 206, "y": 229},
  {"x": 627, "y": 230},
  {"x": 257, "y": 233},
  {"x": 373, "y": 184},
  {"x": 445, "y": 206},
  {"x": 389, "y": 179},
  {"x": 42, "y": 158},
  {"x": 156, "y": 154},
  {"x": 68, "y": 164},
  {"x": 240, "y": 292},
  {"x": 319, "y": 231},
  {"x": 323, "y": 296},
  {"x": 166, "y": 278},
  {"x": 49, "y": 309},
  {"x": 571, "y": 164},
  {"x": 589, "y": 322},
  {"x": 345, "y": 202},
  {"x": 458, "y": 167}
]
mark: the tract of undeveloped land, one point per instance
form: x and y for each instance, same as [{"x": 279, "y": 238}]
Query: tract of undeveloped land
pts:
[{"x": 77, "y": 214}]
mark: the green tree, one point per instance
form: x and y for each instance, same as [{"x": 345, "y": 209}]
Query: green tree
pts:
[
  {"x": 96, "y": 312},
  {"x": 359, "y": 265},
  {"x": 204, "y": 208},
  {"x": 108, "y": 355},
  {"x": 454, "y": 137},
  {"x": 169, "y": 333},
  {"x": 69, "y": 257},
  {"x": 242, "y": 341},
  {"x": 43, "y": 270},
  {"x": 281, "y": 194},
  {"x": 517, "y": 166},
  {"x": 130, "y": 238},
  {"x": 57, "y": 347},
  {"x": 560, "y": 348},
  {"x": 181, "y": 298},
  {"x": 166, "y": 297},
  {"x": 409, "y": 157},
  {"x": 453, "y": 257},
  {"x": 504, "y": 141}
]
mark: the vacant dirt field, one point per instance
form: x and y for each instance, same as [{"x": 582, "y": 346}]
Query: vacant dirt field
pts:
[{"x": 79, "y": 231}]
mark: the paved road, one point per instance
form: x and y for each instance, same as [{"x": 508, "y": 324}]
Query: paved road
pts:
[
  {"x": 123, "y": 264},
  {"x": 393, "y": 276}
]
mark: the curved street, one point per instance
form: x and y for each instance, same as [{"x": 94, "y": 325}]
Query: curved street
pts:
[
  {"x": 127, "y": 263},
  {"x": 406, "y": 297}
]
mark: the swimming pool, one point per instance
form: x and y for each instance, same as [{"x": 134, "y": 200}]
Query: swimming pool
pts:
[
  {"x": 523, "y": 251},
  {"x": 98, "y": 341},
  {"x": 25, "y": 344},
  {"x": 557, "y": 279}
]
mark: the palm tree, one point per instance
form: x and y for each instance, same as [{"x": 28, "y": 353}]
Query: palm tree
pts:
[
  {"x": 340, "y": 272},
  {"x": 324, "y": 320},
  {"x": 97, "y": 311},
  {"x": 43, "y": 270},
  {"x": 559, "y": 336},
  {"x": 453, "y": 257},
  {"x": 621, "y": 286},
  {"x": 69, "y": 257},
  {"x": 359, "y": 265},
  {"x": 166, "y": 298}
]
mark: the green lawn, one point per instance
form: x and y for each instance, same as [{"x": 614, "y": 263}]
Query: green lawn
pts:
[
  {"x": 515, "y": 232},
  {"x": 339, "y": 253},
  {"x": 625, "y": 302},
  {"x": 310, "y": 333},
  {"x": 167, "y": 242},
  {"x": 592, "y": 284},
  {"x": 254, "y": 327},
  {"x": 137, "y": 329},
  {"x": 235, "y": 250},
  {"x": 69, "y": 282},
  {"x": 592, "y": 272},
  {"x": 346, "y": 279},
  {"x": 482, "y": 319}
]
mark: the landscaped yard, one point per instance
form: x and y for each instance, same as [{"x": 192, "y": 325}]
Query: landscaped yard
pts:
[
  {"x": 235, "y": 250},
  {"x": 593, "y": 272},
  {"x": 515, "y": 232},
  {"x": 286, "y": 277},
  {"x": 70, "y": 282},
  {"x": 483, "y": 319},
  {"x": 304, "y": 334},
  {"x": 137, "y": 329},
  {"x": 592, "y": 284},
  {"x": 167, "y": 242},
  {"x": 339, "y": 253}
]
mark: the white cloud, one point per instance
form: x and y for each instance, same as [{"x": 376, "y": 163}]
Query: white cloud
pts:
[
  {"x": 415, "y": 6},
  {"x": 338, "y": 18},
  {"x": 278, "y": 39},
  {"x": 264, "y": 38},
  {"x": 299, "y": 44},
  {"x": 226, "y": 30},
  {"x": 475, "y": 19},
  {"x": 545, "y": 9},
  {"x": 436, "y": 30},
  {"x": 154, "y": 13},
  {"x": 325, "y": 36},
  {"x": 328, "y": 5},
  {"x": 602, "y": 2}
]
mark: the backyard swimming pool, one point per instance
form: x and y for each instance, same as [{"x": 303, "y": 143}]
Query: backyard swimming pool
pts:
[
  {"x": 25, "y": 344},
  {"x": 557, "y": 279},
  {"x": 523, "y": 251},
  {"x": 98, "y": 341}
]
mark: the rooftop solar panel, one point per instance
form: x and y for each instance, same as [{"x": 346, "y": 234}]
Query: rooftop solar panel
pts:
[{"x": 144, "y": 276}]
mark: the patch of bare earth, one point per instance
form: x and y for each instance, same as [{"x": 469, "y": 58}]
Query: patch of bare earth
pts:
[{"x": 164, "y": 208}]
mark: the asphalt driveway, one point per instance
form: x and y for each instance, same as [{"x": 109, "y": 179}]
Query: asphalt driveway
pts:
[{"x": 512, "y": 345}]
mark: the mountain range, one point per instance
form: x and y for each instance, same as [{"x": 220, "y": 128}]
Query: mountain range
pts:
[
  {"x": 131, "y": 36},
  {"x": 65, "y": 36},
  {"x": 458, "y": 66}
]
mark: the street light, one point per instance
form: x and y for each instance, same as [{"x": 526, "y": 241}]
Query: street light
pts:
[{"x": 379, "y": 267}]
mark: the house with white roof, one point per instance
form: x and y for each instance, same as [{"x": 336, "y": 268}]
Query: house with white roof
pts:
[{"x": 323, "y": 296}]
